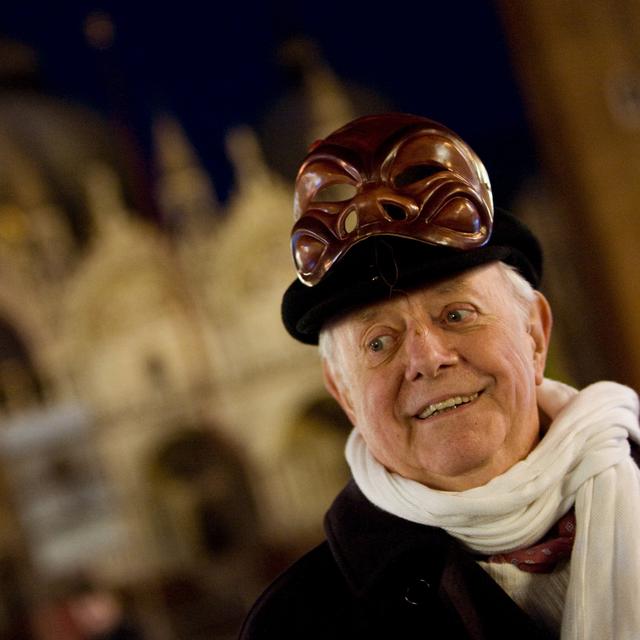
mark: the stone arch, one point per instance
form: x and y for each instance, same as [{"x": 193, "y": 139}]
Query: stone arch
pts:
[
  {"x": 202, "y": 490},
  {"x": 312, "y": 465},
  {"x": 26, "y": 314},
  {"x": 21, "y": 385},
  {"x": 213, "y": 475}
]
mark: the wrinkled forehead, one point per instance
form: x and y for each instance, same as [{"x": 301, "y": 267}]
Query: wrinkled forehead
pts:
[
  {"x": 367, "y": 142},
  {"x": 370, "y": 133}
]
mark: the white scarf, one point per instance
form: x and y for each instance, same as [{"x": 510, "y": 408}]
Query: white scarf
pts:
[{"x": 583, "y": 459}]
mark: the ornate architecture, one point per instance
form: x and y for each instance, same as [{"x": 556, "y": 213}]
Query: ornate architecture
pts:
[{"x": 159, "y": 430}]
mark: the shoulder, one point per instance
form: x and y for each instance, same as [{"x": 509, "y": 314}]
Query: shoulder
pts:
[{"x": 308, "y": 596}]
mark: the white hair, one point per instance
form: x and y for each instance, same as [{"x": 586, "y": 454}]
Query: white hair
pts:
[{"x": 521, "y": 288}]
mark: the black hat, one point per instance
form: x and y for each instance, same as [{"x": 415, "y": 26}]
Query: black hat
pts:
[{"x": 376, "y": 268}]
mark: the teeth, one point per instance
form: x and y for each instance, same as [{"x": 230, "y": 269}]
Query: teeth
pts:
[{"x": 450, "y": 403}]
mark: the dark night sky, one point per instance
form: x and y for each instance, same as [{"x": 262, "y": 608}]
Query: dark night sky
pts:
[{"x": 215, "y": 65}]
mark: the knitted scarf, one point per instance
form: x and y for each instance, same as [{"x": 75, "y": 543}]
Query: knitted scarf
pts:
[{"x": 582, "y": 461}]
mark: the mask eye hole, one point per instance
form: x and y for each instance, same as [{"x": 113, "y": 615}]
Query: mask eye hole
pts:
[
  {"x": 351, "y": 222},
  {"x": 394, "y": 211},
  {"x": 416, "y": 173},
  {"x": 337, "y": 192}
]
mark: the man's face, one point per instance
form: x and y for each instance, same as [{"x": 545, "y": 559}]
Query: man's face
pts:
[{"x": 441, "y": 381}]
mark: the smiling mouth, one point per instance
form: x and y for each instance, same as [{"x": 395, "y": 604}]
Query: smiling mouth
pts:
[{"x": 446, "y": 405}]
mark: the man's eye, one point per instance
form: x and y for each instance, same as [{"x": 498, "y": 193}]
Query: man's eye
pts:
[
  {"x": 379, "y": 344},
  {"x": 457, "y": 316}
]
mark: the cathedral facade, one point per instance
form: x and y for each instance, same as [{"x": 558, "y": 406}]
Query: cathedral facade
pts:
[{"x": 159, "y": 430}]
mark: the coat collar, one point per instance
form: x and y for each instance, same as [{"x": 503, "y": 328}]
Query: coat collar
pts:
[{"x": 369, "y": 543}]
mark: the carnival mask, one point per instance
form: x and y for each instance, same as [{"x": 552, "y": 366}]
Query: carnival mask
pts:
[{"x": 391, "y": 174}]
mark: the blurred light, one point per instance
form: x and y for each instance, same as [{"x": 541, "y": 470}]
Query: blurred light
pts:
[
  {"x": 623, "y": 97},
  {"x": 99, "y": 30}
]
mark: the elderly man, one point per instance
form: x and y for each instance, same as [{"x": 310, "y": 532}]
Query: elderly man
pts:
[{"x": 486, "y": 500}]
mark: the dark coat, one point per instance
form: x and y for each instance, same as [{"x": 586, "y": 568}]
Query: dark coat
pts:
[{"x": 379, "y": 576}]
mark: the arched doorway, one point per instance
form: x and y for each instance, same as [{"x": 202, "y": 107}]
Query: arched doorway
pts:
[
  {"x": 20, "y": 383},
  {"x": 209, "y": 522}
]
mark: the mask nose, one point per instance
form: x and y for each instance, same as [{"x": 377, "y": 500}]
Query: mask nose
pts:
[
  {"x": 380, "y": 205},
  {"x": 394, "y": 210},
  {"x": 428, "y": 353}
]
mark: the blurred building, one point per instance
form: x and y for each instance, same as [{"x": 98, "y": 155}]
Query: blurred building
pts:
[{"x": 159, "y": 430}]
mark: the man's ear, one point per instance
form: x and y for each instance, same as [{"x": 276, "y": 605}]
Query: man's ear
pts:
[
  {"x": 336, "y": 387},
  {"x": 540, "y": 324}
]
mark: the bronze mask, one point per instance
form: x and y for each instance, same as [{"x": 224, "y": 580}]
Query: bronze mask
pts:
[{"x": 390, "y": 174}]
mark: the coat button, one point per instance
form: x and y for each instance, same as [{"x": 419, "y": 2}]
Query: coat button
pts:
[{"x": 418, "y": 592}]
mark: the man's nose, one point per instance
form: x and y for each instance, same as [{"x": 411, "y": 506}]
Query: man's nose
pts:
[{"x": 429, "y": 351}]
